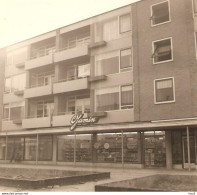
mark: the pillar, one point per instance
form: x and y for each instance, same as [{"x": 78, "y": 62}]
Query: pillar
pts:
[
  {"x": 94, "y": 150},
  {"x": 54, "y": 157},
  {"x": 168, "y": 138},
  {"x": 141, "y": 148}
]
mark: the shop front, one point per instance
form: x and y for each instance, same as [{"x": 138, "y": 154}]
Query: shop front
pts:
[{"x": 118, "y": 148}]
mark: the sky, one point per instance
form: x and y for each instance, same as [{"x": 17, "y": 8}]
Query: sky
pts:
[{"x": 23, "y": 19}]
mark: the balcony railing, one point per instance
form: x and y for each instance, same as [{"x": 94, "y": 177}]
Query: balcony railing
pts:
[
  {"x": 42, "y": 51},
  {"x": 73, "y": 42}
]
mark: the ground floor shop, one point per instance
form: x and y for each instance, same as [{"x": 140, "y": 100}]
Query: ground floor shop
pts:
[{"x": 123, "y": 148}]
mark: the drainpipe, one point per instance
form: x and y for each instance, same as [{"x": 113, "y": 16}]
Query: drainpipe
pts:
[{"x": 188, "y": 149}]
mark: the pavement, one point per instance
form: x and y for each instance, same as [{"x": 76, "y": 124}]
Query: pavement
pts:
[{"x": 117, "y": 174}]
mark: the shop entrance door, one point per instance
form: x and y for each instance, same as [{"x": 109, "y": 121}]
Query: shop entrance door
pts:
[{"x": 185, "y": 152}]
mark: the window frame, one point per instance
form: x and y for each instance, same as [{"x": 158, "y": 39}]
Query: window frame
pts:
[
  {"x": 120, "y": 97},
  {"x": 151, "y": 11},
  {"x": 121, "y": 70},
  {"x": 173, "y": 83},
  {"x": 193, "y": 8},
  {"x": 153, "y": 50},
  {"x": 9, "y": 110},
  {"x": 119, "y": 25},
  {"x": 11, "y": 83}
]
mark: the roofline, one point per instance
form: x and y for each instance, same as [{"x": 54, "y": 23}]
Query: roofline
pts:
[{"x": 70, "y": 24}]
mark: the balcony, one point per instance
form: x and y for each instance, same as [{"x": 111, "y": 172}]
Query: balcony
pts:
[
  {"x": 74, "y": 48},
  {"x": 11, "y": 125},
  {"x": 40, "y": 57},
  {"x": 71, "y": 85},
  {"x": 38, "y": 91},
  {"x": 63, "y": 119},
  {"x": 33, "y": 122}
]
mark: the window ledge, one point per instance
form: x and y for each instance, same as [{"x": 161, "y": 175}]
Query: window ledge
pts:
[
  {"x": 21, "y": 92},
  {"x": 97, "y": 78},
  {"x": 97, "y": 44}
]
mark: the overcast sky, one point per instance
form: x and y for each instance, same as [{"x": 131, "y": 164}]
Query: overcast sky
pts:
[{"x": 23, "y": 19}]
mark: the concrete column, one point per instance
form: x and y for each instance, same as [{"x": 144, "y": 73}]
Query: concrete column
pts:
[
  {"x": 57, "y": 72},
  {"x": 94, "y": 151},
  {"x": 56, "y": 104},
  {"x": 142, "y": 148},
  {"x": 27, "y": 79},
  {"x": 168, "y": 138},
  {"x": 54, "y": 157},
  {"x": 139, "y": 146}
]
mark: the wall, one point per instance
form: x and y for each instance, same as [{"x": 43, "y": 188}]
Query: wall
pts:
[{"x": 181, "y": 30}]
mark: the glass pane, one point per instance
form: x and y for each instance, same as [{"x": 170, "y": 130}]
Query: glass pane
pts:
[
  {"x": 107, "y": 148},
  {"x": 65, "y": 148},
  {"x": 45, "y": 148},
  {"x": 2, "y": 148},
  {"x": 155, "y": 152},
  {"x": 125, "y": 23},
  {"x": 110, "y": 29},
  {"x": 15, "y": 150},
  {"x": 125, "y": 60},
  {"x": 6, "y": 111},
  {"x": 160, "y": 13},
  {"x": 30, "y": 148},
  {"x": 176, "y": 147},
  {"x": 164, "y": 90},
  {"x": 162, "y": 50},
  {"x": 127, "y": 96},
  {"x": 7, "y": 85},
  {"x": 84, "y": 70},
  {"x": 132, "y": 148},
  {"x": 16, "y": 113},
  {"x": 83, "y": 148}
]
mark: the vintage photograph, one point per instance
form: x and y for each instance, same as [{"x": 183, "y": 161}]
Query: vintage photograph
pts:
[{"x": 98, "y": 96}]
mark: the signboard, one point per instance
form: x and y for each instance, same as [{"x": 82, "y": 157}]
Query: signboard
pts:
[{"x": 78, "y": 120}]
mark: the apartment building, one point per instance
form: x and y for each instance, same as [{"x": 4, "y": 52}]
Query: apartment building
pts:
[{"x": 117, "y": 90}]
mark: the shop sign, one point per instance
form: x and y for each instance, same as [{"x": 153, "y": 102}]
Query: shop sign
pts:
[{"x": 78, "y": 120}]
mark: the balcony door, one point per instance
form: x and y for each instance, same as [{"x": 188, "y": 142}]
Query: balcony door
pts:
[{"x": 82, "y": 105}]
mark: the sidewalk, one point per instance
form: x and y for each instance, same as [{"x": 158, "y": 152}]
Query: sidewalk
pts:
[{"x": 117, "y": 174}]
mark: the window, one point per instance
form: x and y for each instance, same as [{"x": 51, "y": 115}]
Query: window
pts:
[
  {"x": 125, "y": 23},
  {"x": 45, "y": 108},
  {"x": 113, "y": 62},
  {"x": 42, "y": 79},
  {"x": 114, "y": 98},
  {"x": 162, "y": 50},
  {"x": 164, "y": 90},
  {"x": 2, "y": 148},
  {"x": 107, "y": 99},
  {"x": 160, "y": 13},
  {"x": 30, "y": 148},
  {"x": 78, "y": 104},
  {"x": 126, "y": 96},
  {"x": 195, "y": 6},
  {"x": 13, "y": 111},
  {"x": 125, "y": 59},
  {"x": 15, "y": 83},
  {"x": 45, "y": 148},
  {"x": 16, "y": 57}
]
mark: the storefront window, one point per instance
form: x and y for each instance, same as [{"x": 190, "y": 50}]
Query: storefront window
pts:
[
  {"x": 83, "y": 148},
  {"x": 108, "y": 148},
  {"x": 176, "y": 147},
  {"x": 131, "y": 147},
  {"x": 65, "y": 148},
  {"x": 30, "y": 148},
  {"x": 15, "y": 149},
  {"x": 155, "y": 152},
  {"x": 45, "y": 148},
  {"x": 2, "y": 148}
]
